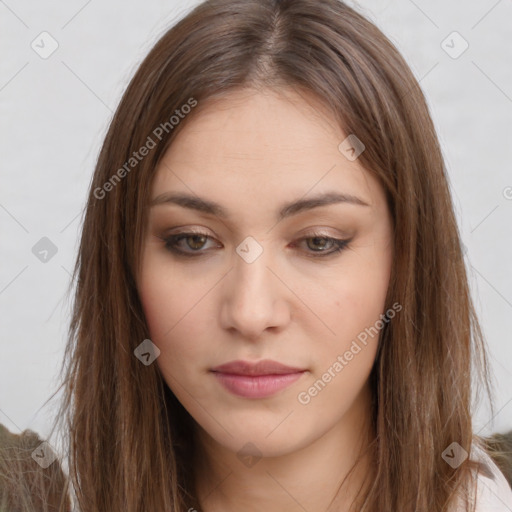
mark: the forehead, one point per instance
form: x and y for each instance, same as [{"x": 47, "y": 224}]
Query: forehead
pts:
[
  {"x": 261, "y": 145},
  {"x": 257, "y": 124}
]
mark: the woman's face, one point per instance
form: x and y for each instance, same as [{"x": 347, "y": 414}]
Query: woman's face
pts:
[{"x": 258, "y": 277}]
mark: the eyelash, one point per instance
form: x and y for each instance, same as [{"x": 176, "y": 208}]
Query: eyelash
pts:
[{"x": 172, "y": 241}]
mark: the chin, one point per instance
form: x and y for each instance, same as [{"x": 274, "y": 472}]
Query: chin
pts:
[{"x": 262, "y": 441}]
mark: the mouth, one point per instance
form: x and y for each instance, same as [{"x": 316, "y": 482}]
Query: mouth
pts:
[{"x": 256, "y": 380}]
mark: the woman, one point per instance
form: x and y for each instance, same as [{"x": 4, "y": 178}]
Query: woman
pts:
[{"x": 272, "y": 310}]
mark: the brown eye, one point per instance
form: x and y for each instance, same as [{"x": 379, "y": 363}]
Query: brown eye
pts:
[
  {"x": 317, "y": 245},
  {"x": 194, "y": 242},
  {"x": 198, "y": 241},
  {"x": 319, "y": 242}
]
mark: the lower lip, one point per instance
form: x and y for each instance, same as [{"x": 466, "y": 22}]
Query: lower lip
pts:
[{"x": 256, "y": 386}]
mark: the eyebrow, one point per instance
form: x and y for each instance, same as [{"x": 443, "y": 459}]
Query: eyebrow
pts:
[{"x": 287, "y": 210}]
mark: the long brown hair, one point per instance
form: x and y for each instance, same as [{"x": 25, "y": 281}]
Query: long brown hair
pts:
[{"x": 129, "y": 443}]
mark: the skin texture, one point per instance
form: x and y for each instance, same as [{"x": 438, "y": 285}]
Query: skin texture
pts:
[{"x": 252, "y": 151}]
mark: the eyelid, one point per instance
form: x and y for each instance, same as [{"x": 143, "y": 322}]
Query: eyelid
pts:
[
  {"x": 305, "y": 233},
  {"x": 172, "y": 239}
]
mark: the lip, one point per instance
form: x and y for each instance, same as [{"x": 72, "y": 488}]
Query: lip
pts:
[{"x": 256, "y": 380}]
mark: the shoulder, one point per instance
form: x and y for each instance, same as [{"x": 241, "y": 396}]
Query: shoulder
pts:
[{"x": 493, "y": 493}]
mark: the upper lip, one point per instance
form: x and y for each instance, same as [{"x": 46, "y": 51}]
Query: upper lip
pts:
[{"x": 264, "y": 367}]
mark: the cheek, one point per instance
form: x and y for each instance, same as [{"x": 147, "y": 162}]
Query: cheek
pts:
[
  {"x": 360, "y": 291},
  {"x": 341, "y": 367},
  {"x": 174, "y": 313},
  {"x": 363, "y": 298},
  {"x": 157, "y": 303},
  {"x": 160, "y": 292}
]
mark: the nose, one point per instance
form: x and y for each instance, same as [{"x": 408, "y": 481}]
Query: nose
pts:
[{"x": 254, "y": 299}]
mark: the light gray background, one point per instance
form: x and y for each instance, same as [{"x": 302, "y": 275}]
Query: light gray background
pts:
[{"x": 54, "y": 113}]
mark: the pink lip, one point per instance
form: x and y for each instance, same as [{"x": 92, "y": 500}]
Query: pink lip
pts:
[{"x": 256, "y": 380}]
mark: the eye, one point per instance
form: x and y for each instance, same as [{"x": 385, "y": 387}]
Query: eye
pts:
[
  {"x": 195, "y": 241},
  {"x": 317, "y": 240}
]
